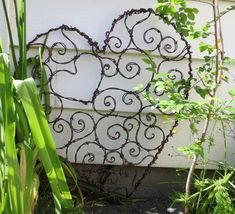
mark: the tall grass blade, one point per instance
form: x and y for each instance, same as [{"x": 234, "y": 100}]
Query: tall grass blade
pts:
[
  {"x": 22, "y": 127},
  {"x": 9, "y": 118},
  {"x": 22, "y": 34},
  {"x": 2, "y": 165},
  {"x": 28, "y": 176},
  {"x": 13, "y": 54},
  {"x": 71, "y": 172},
  {"x": 44, "y": 88},
  {"x": 43, "y": 139}
]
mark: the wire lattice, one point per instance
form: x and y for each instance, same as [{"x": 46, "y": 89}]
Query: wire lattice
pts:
[{"x": 113, "y": 125}]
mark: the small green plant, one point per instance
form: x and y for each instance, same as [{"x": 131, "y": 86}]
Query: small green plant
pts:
[
  {"x": 214, "y": 194},
  {"x": 26, "y": 142}
]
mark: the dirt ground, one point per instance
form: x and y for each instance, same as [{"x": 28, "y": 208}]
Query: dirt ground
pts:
[{"x": 158, "y": 205}]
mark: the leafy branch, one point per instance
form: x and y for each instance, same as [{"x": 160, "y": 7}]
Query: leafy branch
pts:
[{"x": 210, "y": 75}]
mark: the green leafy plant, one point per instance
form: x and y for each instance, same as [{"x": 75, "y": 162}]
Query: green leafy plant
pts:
[
  {"x": 26, "y": 143},
  {"x": 213, "y": 195},
  {"x": 210, "y": 75}
]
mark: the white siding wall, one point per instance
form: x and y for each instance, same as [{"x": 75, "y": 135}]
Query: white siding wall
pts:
[{"x": 94, "y": 18}]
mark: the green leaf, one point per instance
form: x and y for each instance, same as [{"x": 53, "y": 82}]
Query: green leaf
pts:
[
  {"x": 183, "y": 17},
  {"x": 138, "y": 88},
  {"x": 230, "y": 110},
  {"x": 191, "y": 16},
  {"x": 232, "y": 92},
  {"x": 203, "y": 46},
  {"x": 147, "y": 61},
  {"x": 184, "y": 149},
  {"x": 207, "y": 58},
  {"x": 151, "y": 69},
  {"x": 197, "y": 149},
  {"x": 195, "y": 10},
  {"x": 202, "y": 91}
]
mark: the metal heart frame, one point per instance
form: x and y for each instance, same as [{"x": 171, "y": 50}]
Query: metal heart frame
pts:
[{"x": 130, "y": 131}]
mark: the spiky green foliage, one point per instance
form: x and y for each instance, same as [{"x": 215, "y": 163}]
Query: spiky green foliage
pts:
[{"x": 25, "y": 137}]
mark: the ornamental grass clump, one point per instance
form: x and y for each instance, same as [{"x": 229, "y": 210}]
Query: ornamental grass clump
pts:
[{"x": 26, "y": 142}]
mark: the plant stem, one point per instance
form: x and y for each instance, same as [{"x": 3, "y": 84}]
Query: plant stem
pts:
[
  {"x": 225, "y": 146},
  {"x": 218, "y": 62},
  {"x": 10, "y": 37},
  {"x": 195, "y": 159}
]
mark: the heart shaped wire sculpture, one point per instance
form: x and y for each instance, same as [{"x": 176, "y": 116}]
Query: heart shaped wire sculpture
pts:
[{"x": 96, "y": 115}]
